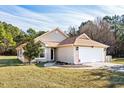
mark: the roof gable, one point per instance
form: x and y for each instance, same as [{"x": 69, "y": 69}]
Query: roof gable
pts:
[
  {"x": 57, "y": 30},
  {"x": 83, "y": 36},
  {"x": 72, "y": 40},
  {"x": 82, "y": 40}
]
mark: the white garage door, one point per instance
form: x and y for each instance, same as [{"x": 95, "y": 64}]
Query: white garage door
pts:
[{"x": 88, "y": 54}]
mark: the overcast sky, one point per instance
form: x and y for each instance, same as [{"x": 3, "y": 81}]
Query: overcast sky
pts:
[{"x": 49, "y": 17}]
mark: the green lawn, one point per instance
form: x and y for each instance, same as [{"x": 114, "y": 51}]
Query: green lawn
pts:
[
  {"x": 15, "y": 74},
  {"x": 118, "y": 60}
]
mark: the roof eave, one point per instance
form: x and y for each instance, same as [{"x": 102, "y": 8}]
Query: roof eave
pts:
[
  {"x": 91, "y": 46},
  {"x": 65, "y": 45}
]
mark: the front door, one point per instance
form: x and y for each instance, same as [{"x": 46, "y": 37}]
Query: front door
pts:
[{"x": 52, "y": 53}]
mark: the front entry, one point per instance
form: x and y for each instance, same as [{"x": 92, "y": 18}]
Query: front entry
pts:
[{"x": 52, "y": 53}]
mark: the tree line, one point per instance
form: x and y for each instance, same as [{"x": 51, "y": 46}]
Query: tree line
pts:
[
  {"x": 11, "y": 37},
  {"x": 108, "y": 30}
]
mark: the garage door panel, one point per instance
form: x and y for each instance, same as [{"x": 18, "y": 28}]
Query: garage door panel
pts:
[{"x": 88, "y": 54}]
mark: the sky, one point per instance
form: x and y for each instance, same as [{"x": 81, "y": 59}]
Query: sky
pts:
[{"x": 48, "y": 17}]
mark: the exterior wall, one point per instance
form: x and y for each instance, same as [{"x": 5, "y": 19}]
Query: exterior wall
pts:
[
  {"x": 68, "y": 54},
  {"x": 53, "y": 36},
  {"x": 47, "y": 57},
  {"x": 48, "y": 54},
  {"x": 105, "y": 54},
  {"x": 65, "y": 54},
  {"x": 76, "y": 55},
  {"x": 20, "y": 55}
]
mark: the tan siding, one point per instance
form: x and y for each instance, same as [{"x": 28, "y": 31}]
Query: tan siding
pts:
[
  {"x": 76, "y": 56},
  {"x": 48, "y": 53},
  {"x": 54, "y": 36},
  {"x": 21, "y": 57},
  {"x": 65, "y": 54},
  {"x": 47, "y": 56}
]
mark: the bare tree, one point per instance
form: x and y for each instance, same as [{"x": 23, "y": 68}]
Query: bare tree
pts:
[
  {"x": 72, "y": 31},
  {"x": 100, "y": 31}
]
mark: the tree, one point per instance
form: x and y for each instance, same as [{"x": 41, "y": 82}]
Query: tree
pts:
[
  {"x": 40, "y": 33},
  {"x": 89, "y": 28},
  {"x": 2, "y": 34},
  {"x": 21, "y": 38},
  {"x": 13, "y": 30},
  {"x": 117, "y": 26},
  {"x": 114, "y": 22},
  {"x": 99, "y": 30},
  {"x": 11, "y": 37},
  {"x": 7, "y": 34},
  {"x": 32, "y": 50},
  {"x": 6, "y": 39},
  {"x": 72, "y": 31},
  {"x": 84, "y": 23},
  {"x": 31, "y": 33}
]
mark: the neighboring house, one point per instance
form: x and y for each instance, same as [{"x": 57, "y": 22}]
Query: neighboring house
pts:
[{"x": 59, "y": 47}]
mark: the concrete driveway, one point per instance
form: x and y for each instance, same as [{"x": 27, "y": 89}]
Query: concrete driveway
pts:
[
  {"x": 102, "y": 65},
  {"x": 88, "y": 66}
]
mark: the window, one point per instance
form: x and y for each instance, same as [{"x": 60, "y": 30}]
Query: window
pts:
[{"x": 42, "y": 54}]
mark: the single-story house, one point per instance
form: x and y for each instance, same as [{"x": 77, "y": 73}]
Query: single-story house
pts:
[{"x": 60, "y": 47}]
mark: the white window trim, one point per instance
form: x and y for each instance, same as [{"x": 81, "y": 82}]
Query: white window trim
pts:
[{"x": 44, "y": 54}]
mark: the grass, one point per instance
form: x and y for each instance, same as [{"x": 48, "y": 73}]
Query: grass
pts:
[
  {"x": 118, "y": 60},
  {"x": 16, "y": 75},
  {"x": 9, "y": 61}
]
